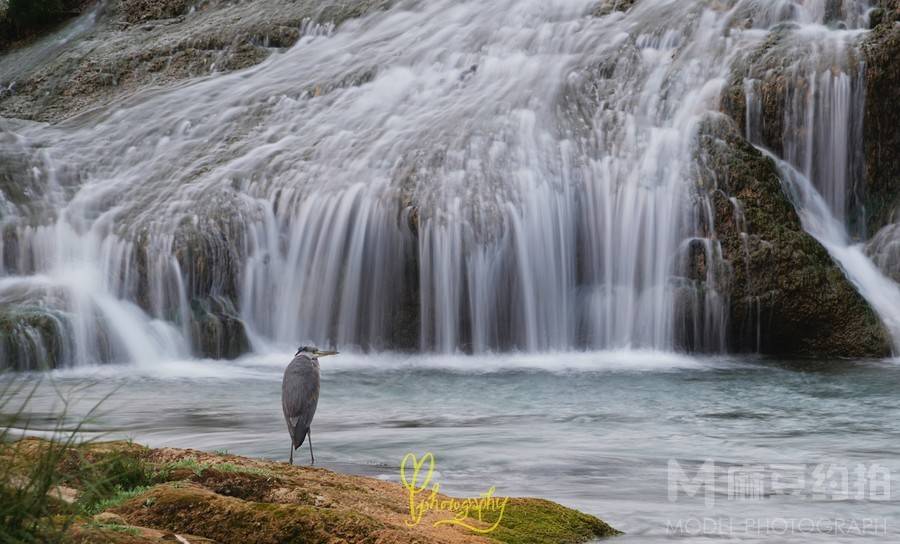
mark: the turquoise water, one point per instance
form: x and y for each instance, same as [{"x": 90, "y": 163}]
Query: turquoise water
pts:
[{"x": 607, "y": 433}]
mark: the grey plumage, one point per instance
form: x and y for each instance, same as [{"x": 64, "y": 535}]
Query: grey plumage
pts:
[{"x": 300, "y": 396}]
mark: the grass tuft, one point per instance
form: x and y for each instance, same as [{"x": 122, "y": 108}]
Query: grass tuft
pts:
[{"x": 112, "y": 501}]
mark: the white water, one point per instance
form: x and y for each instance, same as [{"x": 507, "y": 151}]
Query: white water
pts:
[
  {"x": 881, "y": 292},
  {"x": 822, "y": 144},
  {"x": 444, "y": 175}
]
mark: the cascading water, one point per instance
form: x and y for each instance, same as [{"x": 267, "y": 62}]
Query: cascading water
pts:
[
  {"x": 443, "y": 175},
  {"x": 812, "y": 78},
  {"x": 882, "y": 293},
  {"x": 819, "y": 74}
]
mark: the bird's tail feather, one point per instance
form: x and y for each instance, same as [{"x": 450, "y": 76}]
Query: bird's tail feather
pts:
[{"x": 299, "y": 436}]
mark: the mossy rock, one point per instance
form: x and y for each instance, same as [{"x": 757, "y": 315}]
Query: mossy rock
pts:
[
  {"x": 881, "y": 123},
  {"x": 537, "y": 521},
  {"x": 787, "y": 297},
  {"x": 217, "y": 330},
  {"x": 193, "y": 509},
  {"x": 226, "y": 498},
  {"x": 32, "y": 338}
]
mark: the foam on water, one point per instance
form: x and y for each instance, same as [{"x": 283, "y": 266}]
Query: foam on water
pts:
[{"x": 269, "y": 366}]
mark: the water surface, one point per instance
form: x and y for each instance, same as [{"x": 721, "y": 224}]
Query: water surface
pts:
[{"x": 595, "y": 431}]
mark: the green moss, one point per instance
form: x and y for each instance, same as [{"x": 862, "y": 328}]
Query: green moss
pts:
[
  {"x": 783, "y": 287},
  {"x": 536, "y": 521},
  {"x": 192, "y": 509},
  {"x": 113, "y": 501},
  {"x": 233, "y": 500},
  {"x": 239, "y": 469},
  {"x": 115, "y": 527},
  {"x": 189, "y": 463}
]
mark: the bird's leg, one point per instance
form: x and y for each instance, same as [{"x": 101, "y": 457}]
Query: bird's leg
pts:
[
  {"x": 292, "y": 455},
  {"x": 311, "y": 456}
]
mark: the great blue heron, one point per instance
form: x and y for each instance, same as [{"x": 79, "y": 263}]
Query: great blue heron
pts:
[{"x": 300, "y": 395}]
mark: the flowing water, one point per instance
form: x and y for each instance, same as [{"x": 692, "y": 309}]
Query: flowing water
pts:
[
  {"x": 441, "y": 176},
  {"x": 596, "y": 431},
  {"x": 445, "y": 176}
]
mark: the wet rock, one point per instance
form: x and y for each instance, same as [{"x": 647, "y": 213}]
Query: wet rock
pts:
[
  {"x": 771, "y": 91},
  {"x": 135, "y": 11},
  {"x": 609, "y": 6},
  {"x": 32, "y": 339},
  {"x": 786, "y": 295},
  {"x": 23, "y": 20},
  {"x": 217, "y": 331},
  {"x": 135, "y": 44},
  {"x": 881, "y": 50},
  {"x": 884, "y": 12},
  {"x": 884, "y": 250},
  {"x": 776, "y": 89}
]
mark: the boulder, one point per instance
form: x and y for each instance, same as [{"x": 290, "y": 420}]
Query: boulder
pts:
[{"x": 787, "y": 297}]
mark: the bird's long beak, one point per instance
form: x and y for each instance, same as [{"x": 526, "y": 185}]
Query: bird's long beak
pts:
[{"x": 320, "y": 353}]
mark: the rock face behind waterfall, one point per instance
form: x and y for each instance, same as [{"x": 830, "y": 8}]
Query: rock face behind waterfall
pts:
[
  {"x": 787, "y": 296},
  {"x": 134, "y": 44},
  {"x": 113, "y": 49},
  {"x": 214, "y": 247},
  {"x": 882, "y": 120}
]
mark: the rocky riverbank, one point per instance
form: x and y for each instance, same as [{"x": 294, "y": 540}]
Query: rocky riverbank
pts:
[{"x": 126, "y": 493}]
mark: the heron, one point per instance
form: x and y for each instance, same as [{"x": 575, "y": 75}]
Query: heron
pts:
[{"x": 300, "y": 395}]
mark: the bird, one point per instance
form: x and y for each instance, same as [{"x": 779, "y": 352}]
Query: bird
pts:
[{"x": 300, "y": 395}]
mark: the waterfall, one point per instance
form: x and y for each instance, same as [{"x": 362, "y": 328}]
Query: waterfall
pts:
[
  {"x": 446, "y": 175},
  {"x": 818, "y": 218},
  {"x": 821, "y": 143},
  {"x": 815, "y": 76}
]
